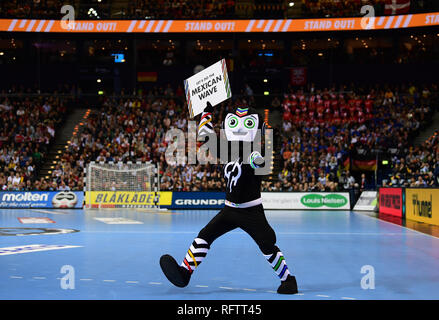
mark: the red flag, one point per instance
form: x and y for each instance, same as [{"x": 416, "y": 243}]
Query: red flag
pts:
[
  {"x": 298, "y": 76},
  {"x": 396, "y": 7}
]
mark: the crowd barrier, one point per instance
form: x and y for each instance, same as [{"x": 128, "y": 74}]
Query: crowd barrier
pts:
[
  {"x": 415, "y": 204},
  {"x": 215, "y": 200},
  {"x": 169, "y": 199}
]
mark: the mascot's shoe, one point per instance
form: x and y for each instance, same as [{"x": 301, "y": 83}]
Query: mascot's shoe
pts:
[
  {"x": 176, "y": 274},
  {"x": 288, "y": 286}
]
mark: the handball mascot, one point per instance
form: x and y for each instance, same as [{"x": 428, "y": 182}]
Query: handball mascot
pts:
[{"x": 243, "y": 205}]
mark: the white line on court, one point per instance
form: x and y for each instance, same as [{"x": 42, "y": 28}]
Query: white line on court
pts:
[
  {"x": 198, "y": 286},
  {"x": 397, "y": 225},
  {"x": 285, "y": 233},
  {"x": 48, "y": 211}
]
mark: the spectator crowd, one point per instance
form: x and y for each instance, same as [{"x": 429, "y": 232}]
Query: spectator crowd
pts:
[
  {"x": 207, "y": 9},
  {"x": 134, "y": 129},
  {"x": 321, "y": 130},
  {"x": 352, "y": 8},
  {"x": 180, "y": 9},
  {"x": 27, "y": 128},
  {"x": 418, "y": 167}
]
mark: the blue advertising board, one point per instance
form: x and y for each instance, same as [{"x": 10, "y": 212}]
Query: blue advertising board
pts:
[
  {"x": 41, "y": 199},
  {"x": 198, "y": 200}
]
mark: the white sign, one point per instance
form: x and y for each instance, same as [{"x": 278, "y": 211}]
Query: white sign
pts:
[
  {"x": 36, "y": 220},
  {"x": 209, "y": 85},
  {"x": 306, "y": 200},
  {"x": 367, "y": 201},
  {"x": 118, "y": 220}
]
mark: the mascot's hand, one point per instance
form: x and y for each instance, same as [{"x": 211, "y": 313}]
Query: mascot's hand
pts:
[
  {"x": 208, "y": 107},
  {"x": 255, "y": 160},
  {"x": 206, "y": 127}
]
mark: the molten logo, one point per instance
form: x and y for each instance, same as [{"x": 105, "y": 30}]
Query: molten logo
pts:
[{"x": 24, "y": 196}]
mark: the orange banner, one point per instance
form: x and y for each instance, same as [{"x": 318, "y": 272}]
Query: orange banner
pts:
[{"x": 197, "y": 26}]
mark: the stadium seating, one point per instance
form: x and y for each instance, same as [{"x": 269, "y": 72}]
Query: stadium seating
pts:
[
  {"x": 136, "y": 138},
  {"x": 211, "y": 9},
  {"x": 322, "y": 130},
  {"x": 27, "y": 128},
  {"x": 418, "y": 167}
]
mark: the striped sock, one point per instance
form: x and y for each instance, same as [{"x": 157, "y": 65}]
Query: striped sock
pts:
[
  {"x": 278, "y": 264},
  {"x": 195, "y": 255}
]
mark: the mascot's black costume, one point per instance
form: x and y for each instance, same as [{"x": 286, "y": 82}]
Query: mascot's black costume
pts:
[{"x": 243, "y": 205}]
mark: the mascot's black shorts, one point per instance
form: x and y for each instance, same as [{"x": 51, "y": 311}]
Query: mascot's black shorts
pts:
[{"x": 252, "y": 220}]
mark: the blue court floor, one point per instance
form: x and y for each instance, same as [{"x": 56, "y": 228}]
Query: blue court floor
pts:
[{"x": 117, "y": 257}]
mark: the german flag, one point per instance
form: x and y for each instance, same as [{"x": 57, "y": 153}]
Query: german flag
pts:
[{"x": 364, "y": 165}]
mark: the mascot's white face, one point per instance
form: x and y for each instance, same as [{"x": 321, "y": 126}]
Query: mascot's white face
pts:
[{"x": 241, "y": 126}]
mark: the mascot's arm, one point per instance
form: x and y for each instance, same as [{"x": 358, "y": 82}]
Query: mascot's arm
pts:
[{"x": 206, "y": 126}]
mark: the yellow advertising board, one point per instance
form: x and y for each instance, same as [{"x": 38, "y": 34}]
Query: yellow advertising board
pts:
[
  {"x": 422, "y": 205},
  {"x": 127, "y": 198}
]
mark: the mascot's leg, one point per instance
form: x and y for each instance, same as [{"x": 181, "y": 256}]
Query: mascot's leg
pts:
[
  {"x": 180, "y": 275},
  {"x": 288, "y": 282},
  {"x": 256, "y": 225},
  {"x": 176, "y": 274}
]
